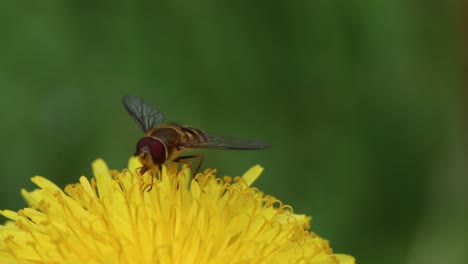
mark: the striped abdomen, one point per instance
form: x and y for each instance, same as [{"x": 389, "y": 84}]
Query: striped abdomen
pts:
[
  {"x": 192, "y": 135},
  {"x": 175, "y": 138}
]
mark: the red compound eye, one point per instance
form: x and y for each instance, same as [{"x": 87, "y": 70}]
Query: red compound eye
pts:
[
  {"x": 142, "y": 143},
  {"x": 155, "y": 147}
]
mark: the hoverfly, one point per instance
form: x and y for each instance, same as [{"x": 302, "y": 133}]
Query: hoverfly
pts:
[{"x": 164, "y": 143}]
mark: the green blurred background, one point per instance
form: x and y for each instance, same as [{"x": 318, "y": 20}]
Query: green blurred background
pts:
[{"x": 361, "y": 100}]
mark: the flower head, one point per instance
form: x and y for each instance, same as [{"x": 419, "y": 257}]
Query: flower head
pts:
[{"x": 113, "y": 219}]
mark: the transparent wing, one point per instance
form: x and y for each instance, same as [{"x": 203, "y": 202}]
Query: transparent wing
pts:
[
  {"x": 222, "y": 142},
  {"x": 146, "y": 116}
]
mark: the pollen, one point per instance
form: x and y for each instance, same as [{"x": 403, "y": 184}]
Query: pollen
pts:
[{"x": 112, "y": 218}]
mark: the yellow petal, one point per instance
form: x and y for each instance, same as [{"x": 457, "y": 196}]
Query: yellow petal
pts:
[
  {"x": 252, "y": 174},
  {"x": 345, "y": 259}
]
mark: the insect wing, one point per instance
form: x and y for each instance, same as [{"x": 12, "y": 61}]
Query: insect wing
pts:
[
  {"x": 222, "y": 142},
  {"x": 146, "y": 116}
]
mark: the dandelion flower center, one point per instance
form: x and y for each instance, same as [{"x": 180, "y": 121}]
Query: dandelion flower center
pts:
[{"x": 112, "y": 219}]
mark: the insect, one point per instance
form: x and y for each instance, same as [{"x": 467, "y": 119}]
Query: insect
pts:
[{"x": 164, "y": 143}]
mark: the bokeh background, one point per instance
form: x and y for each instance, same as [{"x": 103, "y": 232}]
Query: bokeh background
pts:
[{"x": 362, "y": 101}]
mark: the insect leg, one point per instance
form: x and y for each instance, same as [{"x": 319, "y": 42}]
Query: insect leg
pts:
[
  {"x": 151, "y": 184},
  {"x": 182, "y": 159},
  {"x": 158, "y": 171}
]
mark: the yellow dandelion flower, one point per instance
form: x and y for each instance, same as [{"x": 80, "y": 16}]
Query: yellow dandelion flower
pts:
[{"x": 110, "y": 219}]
